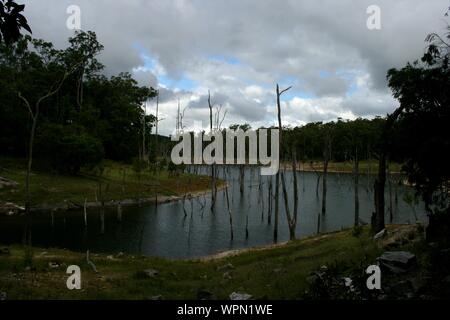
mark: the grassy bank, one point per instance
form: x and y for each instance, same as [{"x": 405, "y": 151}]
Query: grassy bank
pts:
[
  {"x": 277, "y": 273},
  {"x": 118, "y": 181},
  {"x": 365, "y": 166}
]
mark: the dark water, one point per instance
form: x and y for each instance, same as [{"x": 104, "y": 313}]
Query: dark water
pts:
[{"x": 165, "y": 231}]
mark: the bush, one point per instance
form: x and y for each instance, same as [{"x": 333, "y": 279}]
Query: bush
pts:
[
  {"x": 139, "y": 166},
  {"x": 67, "y": 149},
  {"x": 356, "y": 231},
  {"x": 175, "y": 169}
]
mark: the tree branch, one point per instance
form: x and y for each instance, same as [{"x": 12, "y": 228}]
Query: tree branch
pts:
[
  {"x": 27, "y": 104},
  {"x": 283, "y": 91}
]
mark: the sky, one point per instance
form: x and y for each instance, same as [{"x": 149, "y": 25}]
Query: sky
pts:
[{"x": 240, "y": 49}]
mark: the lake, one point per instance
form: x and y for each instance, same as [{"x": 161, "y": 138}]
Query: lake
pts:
[{"x": 169, "y": 231}]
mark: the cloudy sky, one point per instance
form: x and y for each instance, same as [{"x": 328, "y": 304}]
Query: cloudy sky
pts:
[{"x": 240, "y": 49}]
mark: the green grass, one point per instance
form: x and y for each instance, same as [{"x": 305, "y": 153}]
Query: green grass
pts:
[
  {"x": 119, "y": 181},
  {"x": 365, "y": 166},
  {"x": 276, "y": 273}
]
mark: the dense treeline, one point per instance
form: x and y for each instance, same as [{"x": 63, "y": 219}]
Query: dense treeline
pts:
[
  {"x": 90, "y": 117},
  {"x": 343, "y": 138}
]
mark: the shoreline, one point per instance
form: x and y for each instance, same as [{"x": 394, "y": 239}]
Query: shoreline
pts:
[
  {"x": 12, "y": 209},
  {"x": 319, "y": 169},
  {"x": 254, "y": 271}
]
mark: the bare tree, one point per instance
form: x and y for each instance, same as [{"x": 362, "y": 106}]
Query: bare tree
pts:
[
  {"x": 144, "y": 151},
  {"x": 213, "y": 167},
  {"x": 377, "y": 220},
  {"x": 319, "y": 175},
  {"x": 391, "y": 207},
  {"x": 326, "y": 160},
  {"x": 277, "y": 182},
  {"x": 229, "y": 213},
  {"x": 270, "y": 200},
  {"x": 34, "y": 114},
  {"x": 292, "y": 219},
  {"x": 356, "y": 185}
]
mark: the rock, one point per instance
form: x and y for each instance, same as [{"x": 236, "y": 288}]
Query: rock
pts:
[
  {"x": 53, "y": 265},
  {"x": 151, "y": 273},
  {"x": 227, "y": 275},
  {"x": 111, "y": 258},
  {"x": 226, "y": 267},
  {"x": 380, "y": 235},
  {"x": 10, "y": 209},
  {"x": 240, "y": 296},
  {"x": 397, "y": 261},
  {"x": 120, "y": 255},
  {"x": 347, "y": 282},
  {"x": 3, "y": 296},
  {"x": 4, "y": 251},
  {"x": 6, "y": 183},
  {"x": 155, "y": 298}
]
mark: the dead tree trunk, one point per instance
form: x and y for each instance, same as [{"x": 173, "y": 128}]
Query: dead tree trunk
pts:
[
  {"x": 356, "y": 186},
  {"x": 318, "y": 178},
  {"x": 292, "y": 219},
  {"x": 144, "y": 151},
  {"x": 213, "y": 167},
  {"x": 378, "y": 216},
  {"x": 241, "y": 179},
  {"x": 156, "y": 128},
  {"x": 391, "y": 207},
  {"x": 326, "y": 159},
  {"x": 229, "y": 213},
  {"x": 269, "y": 205},
  {"x": 277, "y": 182},
  {"x": 34, "y": 114},
  {"x": 261, "y": 197},
  {"x": 294, "y": 168}
]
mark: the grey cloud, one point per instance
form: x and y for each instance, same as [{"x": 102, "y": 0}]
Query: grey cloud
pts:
[{"x": 273, "y": 40}]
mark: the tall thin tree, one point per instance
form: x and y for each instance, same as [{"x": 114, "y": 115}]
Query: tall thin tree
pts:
[{"x": 277, "y": 182}]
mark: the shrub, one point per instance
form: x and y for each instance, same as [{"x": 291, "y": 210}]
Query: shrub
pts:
[{"x": 67, "y": 149}]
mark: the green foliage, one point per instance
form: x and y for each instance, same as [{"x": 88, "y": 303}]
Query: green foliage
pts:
[
  {"x": 346, "y": 137},
  {"x": 139, "y": 166},
  {"x": 12, "y": 21},
  {"x": 175, "y": 169},
  {"x": 88, "y": 110},
  {"x": 421, "y": 134},
  {"x": 67, "y": 149}
]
